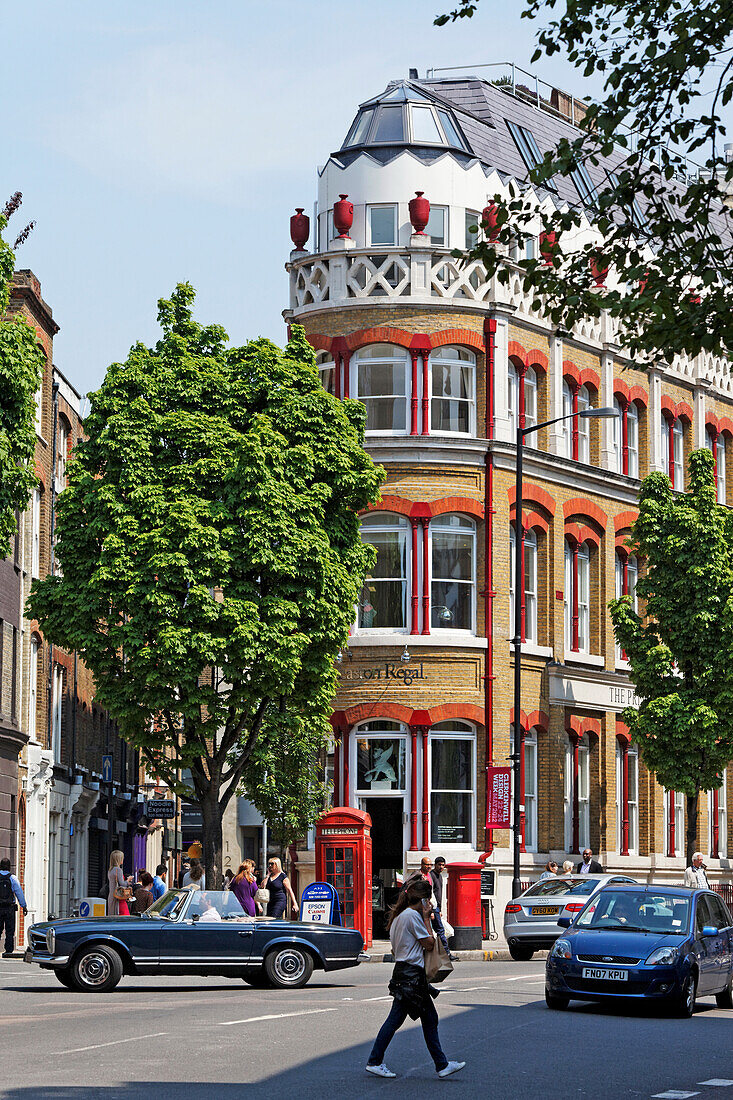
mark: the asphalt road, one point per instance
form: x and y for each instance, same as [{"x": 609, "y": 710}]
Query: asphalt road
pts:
[{"x": 192, "y": 1038}]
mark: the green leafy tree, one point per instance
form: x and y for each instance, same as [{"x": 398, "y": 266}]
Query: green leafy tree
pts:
[
  {"x": 681, "y": 653},
  {"x": 666, "y": 71},
  {"x": 284, "y": 779},
  {"x": 209, "y": 542},
  {"x": 21, "y": 364}
]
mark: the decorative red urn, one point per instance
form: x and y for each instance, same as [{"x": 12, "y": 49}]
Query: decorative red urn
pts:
[
  {"x": 300, "y": 227},
  {"x": 598, "y": 273},
  {"x": 343, "y": 216},
  {"x": 489, "y": 216},
  {"x": 547, "y": 245},
  {"x": 419, "y": 212}
]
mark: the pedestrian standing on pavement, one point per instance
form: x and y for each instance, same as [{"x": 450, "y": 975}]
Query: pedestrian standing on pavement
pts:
[
  {"x": 588, "y": 865},
  {"x": 143, "y": 893},
  {"x": 567, "y": 868},
  {"x": 278, "y": 883},
  {"x": 411, "y": 936},
  {"x": 159, "y": 884},
  {"x": 185, "y": 868},
  {"x": 695, "y": 876},
  {"x": 244, "y": 887},
  {"x": 192, "y": 875},
  {"x": 427, "y": 873},
  {"x": 228, "y": 876},
  {"x": 10, "y": 890},
  {"x": 550, "y": 870},
  {"x": 119, "y": 886}
]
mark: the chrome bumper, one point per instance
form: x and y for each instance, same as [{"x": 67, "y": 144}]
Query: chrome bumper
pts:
[
  {"x": 31, "y": 956},
  {"x": 364, "y": 957}
]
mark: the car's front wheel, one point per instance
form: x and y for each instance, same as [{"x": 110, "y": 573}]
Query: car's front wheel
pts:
[
  {"x": 724, "y": 999},
  {"x": 65, "y": 977},
  {"x": 96, "y": 969},
  {"x": 556, "y": 1001},
  {"x": 520, "y": 954},
  {"x": 684, "y": 1003},
  {"x": 288, "y": 966}
]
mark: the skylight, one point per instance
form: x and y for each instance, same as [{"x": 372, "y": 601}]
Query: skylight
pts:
[{"x": 528, "y": 148}]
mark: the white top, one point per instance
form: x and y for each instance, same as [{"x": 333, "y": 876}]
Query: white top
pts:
[
  {"x": 405, "y": 933},
  {"x": 209, "y": 916},
  {"x": 187, "y": 881}
]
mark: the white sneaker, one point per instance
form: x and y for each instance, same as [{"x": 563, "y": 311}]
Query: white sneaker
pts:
[
  {"x": 452, "y": 1067},
  {"x": 382, "y": 1071}
]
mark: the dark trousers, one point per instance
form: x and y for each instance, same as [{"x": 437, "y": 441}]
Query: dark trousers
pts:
[
  {"x": 438, "y": 922},
  {"x": 395, "y": 1020},
  {"x": 7, "y": 925}
]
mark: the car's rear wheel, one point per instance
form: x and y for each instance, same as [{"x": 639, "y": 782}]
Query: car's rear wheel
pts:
[
  {"x": 288, "y": 966},
  {"x": 724, "y": 999},
  {"x": 520, "y": 954},
  {"x": 684, "y": 1003},
  {"x": 96, "y": 969},
  {"x": 556, "y": 1001},
  {"x": 65, "y": 977},
  {"x": 258, "y": 979}
]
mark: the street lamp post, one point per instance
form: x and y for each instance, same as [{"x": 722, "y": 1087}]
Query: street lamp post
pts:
[{"x": 517, "y": 639}]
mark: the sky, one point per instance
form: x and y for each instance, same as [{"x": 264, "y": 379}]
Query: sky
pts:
[{"x": 159, "y": 142}]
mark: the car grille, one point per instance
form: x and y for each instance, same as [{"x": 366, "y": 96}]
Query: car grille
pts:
[
  {"x": 608, "y": 958},
  {"x": 37, "y": 940}
]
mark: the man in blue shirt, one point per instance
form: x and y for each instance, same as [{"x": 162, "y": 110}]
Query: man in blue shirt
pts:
[
  {"x": 159, "y": 886},
  {"x": 10, "y": 889}
]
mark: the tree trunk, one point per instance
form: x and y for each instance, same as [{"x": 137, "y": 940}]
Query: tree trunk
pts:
[
  {"x": 691, "y": 835},
  {"x": 211, "y": 814}
]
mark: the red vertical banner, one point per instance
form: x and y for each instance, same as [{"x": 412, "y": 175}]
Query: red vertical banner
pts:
[{"x": 499, "y": 798}]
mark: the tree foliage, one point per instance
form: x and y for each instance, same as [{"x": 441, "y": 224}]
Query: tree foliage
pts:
[
  {"x": 210, "y": 551},
  {"x": 663, "y": 224},
  {"x": 21, "y": 366},
  {"x": 681, "y": 652}
]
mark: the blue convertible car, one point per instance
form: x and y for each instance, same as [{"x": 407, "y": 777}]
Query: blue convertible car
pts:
[
  {"x": 652, "y": 943},
  {"x": 190, "y": 932}
]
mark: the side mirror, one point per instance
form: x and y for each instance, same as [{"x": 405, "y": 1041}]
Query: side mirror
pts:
[
  {"x": 564, "y": 922},
  {"x": 710, "y": 930}
]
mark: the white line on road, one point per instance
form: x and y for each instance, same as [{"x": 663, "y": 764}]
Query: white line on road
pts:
[
  {"x": 720, "y": 1081},
  {"x": 114, "y": 1043},
  {"x": 674, "y": 1094},
  {"x": 275, "y": 1016}
]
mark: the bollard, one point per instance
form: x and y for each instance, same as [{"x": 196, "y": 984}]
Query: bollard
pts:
[{"x": 464, "y": 905}]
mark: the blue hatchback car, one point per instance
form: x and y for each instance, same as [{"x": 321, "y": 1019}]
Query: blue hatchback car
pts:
[{"x": 653, "y": 943}]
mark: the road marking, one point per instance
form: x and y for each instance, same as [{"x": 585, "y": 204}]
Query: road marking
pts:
[
  {"x": 113, "y": 1043},
  {"x": 720, "y": 1081},
  {"x": 275, "y": 1016},
  {"x": 674, "y": 1094}
]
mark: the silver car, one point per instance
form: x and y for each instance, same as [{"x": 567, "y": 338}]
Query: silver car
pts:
[{"x": 530, "y": 920}]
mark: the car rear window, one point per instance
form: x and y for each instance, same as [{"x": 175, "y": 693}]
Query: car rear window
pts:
[{"x": 553, "y": 888}]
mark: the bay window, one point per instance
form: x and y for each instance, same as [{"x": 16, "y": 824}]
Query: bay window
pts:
[
  {"x": 452, "y": 788},
  {"x": 522, "y": 396},
  {"x": 383, "y": 598},
  {"x": 452, "y": 587},
  {"x": 577, "y": 596},
  {"x": 382, "y": 385},
  {"x": 453, "y": 389},
  {"x": 529, "y": 605},
  {"x": 718, "y": 818}
]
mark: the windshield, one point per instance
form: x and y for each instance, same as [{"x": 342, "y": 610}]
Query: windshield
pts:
[
  {"x": 554, "y": 887},
  {"x": 169, "y": 906},
  {"x": 205, "y": 905},
  {"x": 645, "y": 911}
]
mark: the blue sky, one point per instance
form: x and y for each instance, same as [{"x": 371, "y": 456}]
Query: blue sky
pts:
[{"x": 164, "y": 141}]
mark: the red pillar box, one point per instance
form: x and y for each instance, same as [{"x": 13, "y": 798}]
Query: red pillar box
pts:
[
  {"x": 464, "y": 904},
  {"x": 344, "y": 859}
]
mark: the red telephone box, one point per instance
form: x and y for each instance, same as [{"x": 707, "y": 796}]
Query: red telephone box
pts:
[{"x": 344, "y": 858}]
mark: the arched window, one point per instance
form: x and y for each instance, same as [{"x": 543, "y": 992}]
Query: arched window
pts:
[
  {"x": 452, "y": 747},
  {"x": 383, "y": 599},
  {"x": 627, "y": 798},
  {"x": 453, "y": 389},
  {"x": 326, "y": 371},
  {"x": 522, "y": 391},
  {"x": 715, "y": 442},
  {"x": 453, "y": 576},
  {"x": 577, "y": 596},
  {"x": 381, "y": 756},
  {"x": 673, "y": 451},
  {"x": 577, "y": 790},
  {"x": 626, "y": 437},
  {"x": 632, "y": 439},
  {"x": 529, "y": 607},
  {"x": 382, "y": 383},
  {"x": 576, "y": 429},
  {"x": 627, "y": 574}
]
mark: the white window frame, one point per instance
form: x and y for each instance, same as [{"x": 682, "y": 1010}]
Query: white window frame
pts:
[
  {"x": 720, "y": 468},
  {"x": 583, "y": 796},
  {"x": 633, "y": 755},
  {"x": 530, "y": 594},
  {"x": 471, "y": 217},
  {"x": 33, "y": 688},
  {"x": 722, "y": 818},
  {"x": 399, "y": 524},
  {"x": 679, "y": 822},
  {"x": 583, "y": 425},
  {"x": 530, "y": 397},
  {"x": 438, "y": 524},
  {"x": 632, "y": 575},
  {"x": 399, "y": 355},
  {"x": 36, "y": 533},
  {"x": 632, "y": 438},
  {"x": 471, "y": 401},
  {"x": 445, "y": 212},
  {"x": 57, "y": 703},
  {"x": 324, "y": 363},
  {"x": 463, "y": 731},
  {"x": 530, "y": 799},
  {"x": 567, "y": 425},
  {"x": 39, "y": 410},
  {"x": 382, "y": 206},
  {"x": 62, "y": 442},
  {"x": 361, "y": 732},
  {"x": 617, "y": 437},
  {"x": 679, "y": 455}
]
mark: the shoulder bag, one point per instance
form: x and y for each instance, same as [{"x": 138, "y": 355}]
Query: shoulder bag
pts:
[{"x": 437, "y": 964}]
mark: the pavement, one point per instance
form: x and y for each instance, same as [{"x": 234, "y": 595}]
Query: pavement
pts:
[{"x": 212, "y": 1038}]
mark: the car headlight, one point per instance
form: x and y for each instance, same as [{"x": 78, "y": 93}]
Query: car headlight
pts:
[
  {"x": 562, "y": 949},
  {"x": 51, "y": 940},
  {"x": 663, "y": 956}
]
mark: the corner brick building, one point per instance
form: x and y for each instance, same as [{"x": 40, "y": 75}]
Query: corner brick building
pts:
[{"x": 445, "y": 361}]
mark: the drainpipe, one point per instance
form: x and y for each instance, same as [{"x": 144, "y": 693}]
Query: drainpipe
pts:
[{"x": 489, "y": 343}]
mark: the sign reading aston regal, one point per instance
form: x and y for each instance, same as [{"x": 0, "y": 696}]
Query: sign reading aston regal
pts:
[{"x": 499, "y": 798}]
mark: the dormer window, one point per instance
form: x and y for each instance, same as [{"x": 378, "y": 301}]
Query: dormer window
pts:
[
  {"x": 390, "y": 125},
  {"x": 413, "y": 121}
]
